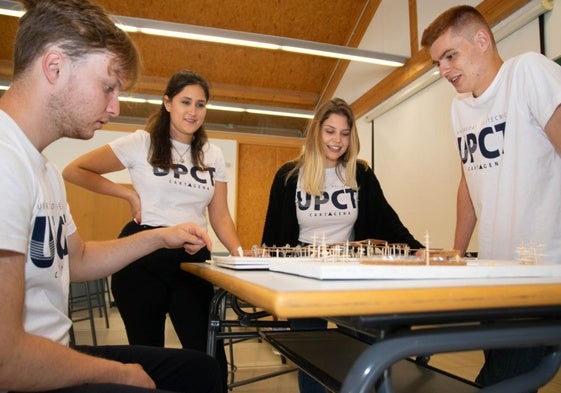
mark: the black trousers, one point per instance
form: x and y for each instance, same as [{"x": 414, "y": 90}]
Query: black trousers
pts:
[
  {"x": 149, "y": 289},
  {"x": 501, "y": 364},
  {"x": 173, "y": 370}
]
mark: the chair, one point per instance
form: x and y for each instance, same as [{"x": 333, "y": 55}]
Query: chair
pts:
[
  {"x": 248, "y": 323},
  {"x": 84, "y": 299},
  {"x": 233, "y": 320}
]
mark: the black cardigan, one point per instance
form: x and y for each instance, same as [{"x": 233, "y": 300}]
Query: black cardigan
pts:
[{"x": 376, "y": 218}]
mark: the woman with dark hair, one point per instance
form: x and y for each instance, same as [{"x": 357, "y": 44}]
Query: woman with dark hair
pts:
[{"x": 177, "y": 176}]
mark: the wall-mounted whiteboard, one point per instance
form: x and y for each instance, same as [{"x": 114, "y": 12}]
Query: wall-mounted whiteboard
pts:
[{"x": 63, "y": 151}]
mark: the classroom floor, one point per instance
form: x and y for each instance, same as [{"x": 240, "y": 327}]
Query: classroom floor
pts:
[{"x": 253, "y": 358}]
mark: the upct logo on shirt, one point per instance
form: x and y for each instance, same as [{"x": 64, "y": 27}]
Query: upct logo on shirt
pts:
[
  {"x": 339, "y": 199},
  {"x": 182, "y": 175},
  {"x": 46, "y": 240},
  {"x": 482, "y": 149}
]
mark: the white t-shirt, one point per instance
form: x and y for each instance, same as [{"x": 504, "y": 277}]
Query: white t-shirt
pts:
[
  {"x": 329, "y": 217},
  {"x": 36, "y": 221},
  {"x": 170, "y": 197},
  {"x": 512, "y": 170}
]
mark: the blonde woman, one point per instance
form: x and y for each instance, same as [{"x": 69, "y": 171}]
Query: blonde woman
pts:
[{"x": 328, "y": 194}]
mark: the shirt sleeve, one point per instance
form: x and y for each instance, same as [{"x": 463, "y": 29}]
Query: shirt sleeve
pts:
[
  {"x": 540, "y": 80},
  {"x": 16, "y": 209},
  {"x": 215, "y": 154},
  {"x": 126, "y": 148}
]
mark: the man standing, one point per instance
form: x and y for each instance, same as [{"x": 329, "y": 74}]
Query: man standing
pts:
[
  {"x": 70, "y": 64},
  {"x": 507, "y": 122}
]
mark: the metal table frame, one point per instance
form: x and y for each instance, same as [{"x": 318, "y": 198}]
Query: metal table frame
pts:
[
  {"x": 219, "y": 324},
  {"x": 373, "y": 364},
  {"x": 523, "y": 312}
]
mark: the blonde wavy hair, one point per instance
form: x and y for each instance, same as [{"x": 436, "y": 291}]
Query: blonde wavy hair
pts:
[{"x": 312, "y": 161}]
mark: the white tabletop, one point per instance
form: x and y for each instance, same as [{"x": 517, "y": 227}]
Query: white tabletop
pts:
[{"x": 291, "y": 296}]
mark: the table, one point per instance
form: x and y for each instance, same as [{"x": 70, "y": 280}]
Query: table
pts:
[{"x": 526, "y": 312}]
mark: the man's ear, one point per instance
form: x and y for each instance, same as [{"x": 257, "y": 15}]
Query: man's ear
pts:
[
  {"x": 483, "y": 39},
  {"x": 52, "y": 65}
]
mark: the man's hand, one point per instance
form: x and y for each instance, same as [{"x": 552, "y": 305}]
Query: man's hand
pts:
[
  {"x": 187, "y": 235},
  {"x": 133, "y": 374}
]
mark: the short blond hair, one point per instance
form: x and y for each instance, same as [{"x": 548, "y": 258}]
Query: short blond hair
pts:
[{"x": 462, "y": 19}]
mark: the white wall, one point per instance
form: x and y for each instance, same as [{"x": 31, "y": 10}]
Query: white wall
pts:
[
  {"x": 417, "y": 163},
  {"x": 388, "y": 33},
  {"x": 553, "y": 31},
  {"x": 63, "y": 151}
]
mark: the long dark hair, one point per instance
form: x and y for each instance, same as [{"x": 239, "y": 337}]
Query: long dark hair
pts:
[{"x": 159, "y": 123}]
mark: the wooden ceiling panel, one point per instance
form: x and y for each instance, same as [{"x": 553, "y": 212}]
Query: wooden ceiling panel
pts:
[
  {"x": 315, "y": 20},
  {"x": 257, "y": 76},
  {"x": 233, "y": 64},
  {"x": 8, "y": 28},
  {"x": 225, "y": 121}
]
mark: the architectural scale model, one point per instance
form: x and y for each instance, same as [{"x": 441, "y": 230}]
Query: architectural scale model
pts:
[
  {"x": 368, "y": 251},
  {"x": 374, "y": 259}
]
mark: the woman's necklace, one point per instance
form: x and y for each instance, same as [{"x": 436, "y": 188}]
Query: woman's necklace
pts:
[{"x": 181, "y": 160}]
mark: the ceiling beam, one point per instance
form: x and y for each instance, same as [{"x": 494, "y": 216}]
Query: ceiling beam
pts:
[
  {"x": 420, "y": 62},
  {"x": 236, "y": 93},
  {"x": 219, "y": 91},
  {"x": 282, "y": 97},
  {"x": 6, "y": 68},
  {"x": 413, "y": 27}
]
